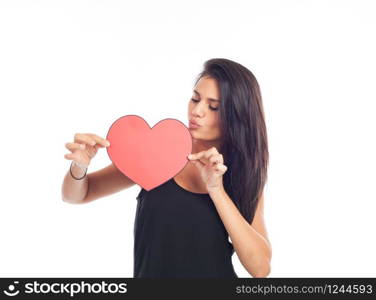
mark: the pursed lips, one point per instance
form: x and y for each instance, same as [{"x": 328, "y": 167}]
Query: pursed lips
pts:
[{"x": 194, "y": 123}]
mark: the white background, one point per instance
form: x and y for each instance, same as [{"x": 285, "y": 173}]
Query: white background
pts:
[{"x": 77, "y": 66}]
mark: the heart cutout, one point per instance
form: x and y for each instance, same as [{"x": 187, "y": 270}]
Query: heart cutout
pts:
[{"x": 149, "y": 156}]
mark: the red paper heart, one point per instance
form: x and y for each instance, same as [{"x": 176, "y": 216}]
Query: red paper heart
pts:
[{"x": 149, "y": 156}]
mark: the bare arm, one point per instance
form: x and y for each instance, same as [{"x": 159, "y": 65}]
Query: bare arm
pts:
[
  {"x": 251, "y": 242},
  {"x": 95, "y": 185},
  {"x": 74, "y": 191}
]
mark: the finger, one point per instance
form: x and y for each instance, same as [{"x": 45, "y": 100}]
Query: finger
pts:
[
  {"x": 74, "y": 146},
  {"x": 216, "y": 159},
  {"x": 221, "y": 168},
  {"x": 94, "y": 150},
  {"x": 213, "y": 150},
  {"x": 203, "y": 155},
  {"x": 209, "y": 153},
  {"x": 84, "y": 138},
  {"x": 197, "y": 155},
  {"x": 69, "y": 156},
  {"x": 101, "y": 141},
  {"x": 198, "y": 164}
]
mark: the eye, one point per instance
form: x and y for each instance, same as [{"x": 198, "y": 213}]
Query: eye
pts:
[{"x": 212, "y": 108}]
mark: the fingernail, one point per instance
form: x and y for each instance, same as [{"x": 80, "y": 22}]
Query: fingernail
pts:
[
  {"x": 107, "y": 144},
  {"x": 190, "y": 156},
  {"x": 82, "y": 146}
]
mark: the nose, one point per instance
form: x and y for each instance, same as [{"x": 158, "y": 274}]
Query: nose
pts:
[{"x": 199, "y": 109}]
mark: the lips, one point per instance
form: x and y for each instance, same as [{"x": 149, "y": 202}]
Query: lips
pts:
[{"x": 191, "y": 122}]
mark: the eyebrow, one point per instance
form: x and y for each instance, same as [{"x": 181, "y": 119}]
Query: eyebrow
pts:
[{"x": 211, "y": 99}]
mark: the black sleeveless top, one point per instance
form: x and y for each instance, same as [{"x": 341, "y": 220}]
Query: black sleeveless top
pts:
[{"x": 178, "y": 233}]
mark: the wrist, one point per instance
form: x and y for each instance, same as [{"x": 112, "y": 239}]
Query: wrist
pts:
[
  {"x": 78, "y": 170},
  {"x": 216, "y": 190}
]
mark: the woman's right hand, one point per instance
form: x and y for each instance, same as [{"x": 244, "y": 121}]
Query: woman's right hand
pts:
[{"x": 85, "y": 147}]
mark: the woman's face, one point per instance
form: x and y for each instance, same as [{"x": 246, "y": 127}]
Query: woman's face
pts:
[{"x": 203, "y": 109}]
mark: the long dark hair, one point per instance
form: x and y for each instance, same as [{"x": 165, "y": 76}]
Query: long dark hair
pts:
[{"x": 242, "y": 122}]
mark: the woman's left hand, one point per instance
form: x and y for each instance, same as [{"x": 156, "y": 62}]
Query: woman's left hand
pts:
[{"x": 211, "y": 167}]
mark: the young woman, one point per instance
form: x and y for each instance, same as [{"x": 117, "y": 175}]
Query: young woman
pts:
[{"x": 191, "y": 225}]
